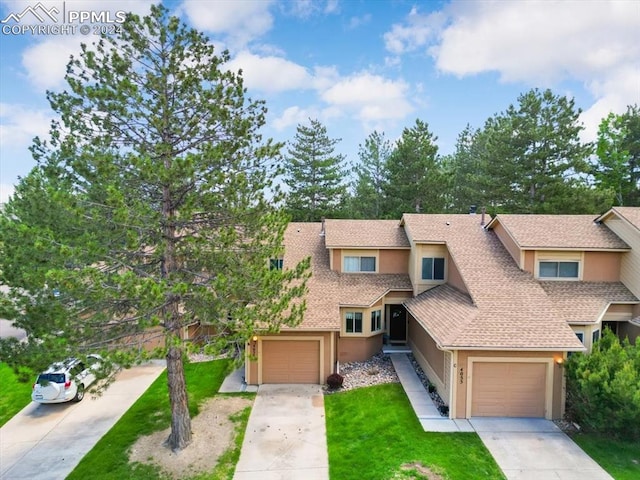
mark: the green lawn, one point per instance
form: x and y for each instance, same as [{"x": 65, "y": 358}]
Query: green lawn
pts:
[
  {"x": 15, "y": 394},
  {"x": 109, "y": 459},
  {"x": 621, "y": 459},
  {"x": 372, "y": 432}
]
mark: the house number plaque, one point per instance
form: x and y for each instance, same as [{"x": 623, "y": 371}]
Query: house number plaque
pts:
[{"x": 461, "y": 375}]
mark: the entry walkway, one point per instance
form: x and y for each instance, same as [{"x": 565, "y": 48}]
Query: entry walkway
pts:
[{"x": 422, "y": 404}]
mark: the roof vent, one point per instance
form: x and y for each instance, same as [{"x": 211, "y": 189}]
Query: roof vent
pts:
[{"x": 322, "y": 231}]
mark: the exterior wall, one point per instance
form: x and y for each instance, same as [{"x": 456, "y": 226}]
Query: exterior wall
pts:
[
  {"x": 358, "y": 349},
  {"x": 253, "y": 352},
  {"x": 617, "y": 312},
  {"x": 455, "y": 279},
  {"x": 422, "y": 251},
  {"x": 387, "y": 261},
  {"x": 529, "y": 261},
  {"x": 336, "y": 259},
  {"x": 630, "y": 263},
  {"x": 559, "y": 255},
  {"x": 427, "y": 354},
  {"x": 463, "y": 366},
  {"x": 509, "y": 243},
  {"x": 601, "y": 267},
  {"x": 394, "y": 261}
]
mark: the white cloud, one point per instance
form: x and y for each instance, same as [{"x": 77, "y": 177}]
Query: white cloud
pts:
[
  {"x": 241, "y": 21},
  {"x": 307, "y": 8},
  {"x": 46, "y": 62},
  {"x": 6, "y": 191},
  {"x": 292, "y": 116},
  {"x": 418, "y": 31},
  {"x": 19, "y": 125},
  {"x": 370, "y": 97},
  {"x": 539, "y": 41},
  {"x": 270, "y": 74}
]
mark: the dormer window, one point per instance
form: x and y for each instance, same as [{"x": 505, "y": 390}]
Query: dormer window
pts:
[
  {"x": 359, "y": 264},
  {"x": 433, "y": 268},
  {"x": 569, "y": 270}
]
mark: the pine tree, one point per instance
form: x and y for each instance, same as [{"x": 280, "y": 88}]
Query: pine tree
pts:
[
  {"x": 314, "y": 174},
  {"x": 154, "y": 182},
  {"x": 369, "y": 199},
  {"x": 417, "y": 183}
]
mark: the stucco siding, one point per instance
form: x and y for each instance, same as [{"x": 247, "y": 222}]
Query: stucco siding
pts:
[
  {"x": 394, "y": 261},
  {"x": 358, "y": 349},
  {"x": 455, "y": 279},
  {"x": 508, "y": 243},
  {"x": 601, "y": 267}
]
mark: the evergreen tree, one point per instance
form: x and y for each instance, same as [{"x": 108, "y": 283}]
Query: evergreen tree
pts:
[
  {"x": 534, "y": 158},
  {"x": 369, "y": 199},
  {"x": 618, "y": 150},
  {"x": 417, "y": 183},
  {"x": 314, "y": 174},
  {"x": 147, "y": 211}
]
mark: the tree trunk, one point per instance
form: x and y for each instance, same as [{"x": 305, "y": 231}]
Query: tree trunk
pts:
[{"x": 180, "y": 435}]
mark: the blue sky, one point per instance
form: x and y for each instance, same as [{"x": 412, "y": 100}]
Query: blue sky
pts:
[{"x": 358, "y": 66}]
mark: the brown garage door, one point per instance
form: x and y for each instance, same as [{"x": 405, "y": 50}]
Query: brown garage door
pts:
[
  {"x": 291, "y": 361},
  {"x": 508, "y": 389}
]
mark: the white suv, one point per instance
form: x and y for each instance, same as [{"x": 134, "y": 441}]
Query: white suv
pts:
[{"x": 65, "y": 381}]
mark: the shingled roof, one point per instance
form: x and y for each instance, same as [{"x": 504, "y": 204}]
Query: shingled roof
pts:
[
  {"x": 365, "y": 234},
  {"x": 329, "y": 290},
  {"x": 630, "y": 214},
  {"x": 575, "y": 232},
  {"x": 512, "y": 309},
  {"x": 585, "y": 302}
]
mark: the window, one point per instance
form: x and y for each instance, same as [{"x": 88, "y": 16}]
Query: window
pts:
[
  {"x": 595, "y": 336},
  {"x": 376, "y": 320},
  {"x": 580, "y": 336},
  {"x": 354, "y": 322},
  {"x": 276, "y": 264},
  {"x": 433, "y": 268},
  {"x": 359, "y": 264},
  {"x": 558, "y": 269}
]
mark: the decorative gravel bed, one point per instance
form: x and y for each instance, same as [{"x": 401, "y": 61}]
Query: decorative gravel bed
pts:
[{"x": 375, "y": 371}]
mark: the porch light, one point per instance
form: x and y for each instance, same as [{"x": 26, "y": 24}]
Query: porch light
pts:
[
  {"x": 255, "y": 338},
  {"x": 560, "y": 361}
]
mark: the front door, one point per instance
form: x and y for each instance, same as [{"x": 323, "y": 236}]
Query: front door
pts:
[{"x": 397, "y": 324}]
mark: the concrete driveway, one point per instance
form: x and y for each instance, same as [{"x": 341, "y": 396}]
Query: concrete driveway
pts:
[
  {"x": 48, "y": 441},
  {"x": 286, "y": 436},
  {"x": 535, "y": 449}
]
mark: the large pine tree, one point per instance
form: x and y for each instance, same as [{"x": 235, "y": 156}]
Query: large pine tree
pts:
[
  {"x": 416, "y": 181},
  {"x": 314, "y": 174},
  {"x": 148, "y": 211},
  {"x": 369, "y": 199}
]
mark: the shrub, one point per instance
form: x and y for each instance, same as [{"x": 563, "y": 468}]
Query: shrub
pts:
[
  {"x": 603, "y": 388},
  {"x": 335, "y": 380}
]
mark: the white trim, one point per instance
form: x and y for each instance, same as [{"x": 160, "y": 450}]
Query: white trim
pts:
[
  {"x": 548, "y": 398},
  {"x": 290, "y": 338}
]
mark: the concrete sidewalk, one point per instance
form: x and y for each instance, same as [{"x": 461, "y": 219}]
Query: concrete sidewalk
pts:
[
  {"x": 286, "y": 437},
  {"x": 48, "y": 441},
  {"x": 423, "y": 406}
]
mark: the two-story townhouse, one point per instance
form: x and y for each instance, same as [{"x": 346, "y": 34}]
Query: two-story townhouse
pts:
[
  {"x": 489, "y": 311},
  {"x": 578, "y": 261}
]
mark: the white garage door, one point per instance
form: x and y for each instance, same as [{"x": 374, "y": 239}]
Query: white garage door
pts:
[
  {"x": 508, "y": 389},
  {"x": 291, "y": 361}
]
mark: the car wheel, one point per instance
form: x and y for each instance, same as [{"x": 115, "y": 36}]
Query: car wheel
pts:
[{"x": 79, "y": 394}]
